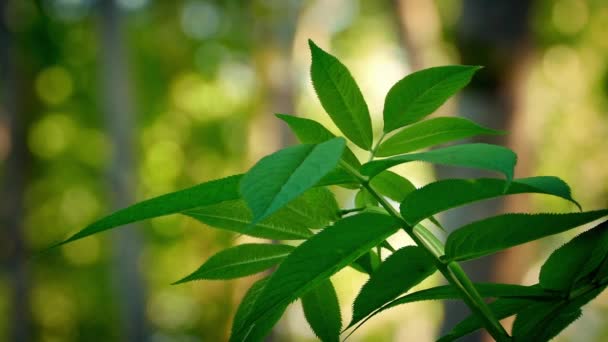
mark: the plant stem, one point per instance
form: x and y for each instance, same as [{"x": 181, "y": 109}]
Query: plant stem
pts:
[
  {"x": 451, "y": 271},
  {"x": 375, "y": 149}
]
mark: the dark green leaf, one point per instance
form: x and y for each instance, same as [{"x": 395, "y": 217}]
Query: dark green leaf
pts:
[
  {"x": 320, "y": 257},
  {"x": 431, "y": 199},
  {"x": 311, "y": 132},
  {"x": 575, "y": 260},
  {"x": 400, "y": 272},
  {"x": 322, "y": 311},
  {"x": 392, "y": 185},
  {"x": 429, "y": 133},
  {"x": 421, "y": 93},
  {"x": 208, "y": 193},
  {"x": 282, "y": 176},
  {"x": 341, "y": 97},
  {"x": 367, "y": 263},
  {"x": 240, "y": 261},
  {"x": 339, "y": 176},
  {"x": 480, "y": 156},
  {"x": 243, "y": 314},
  {"x": 499, "y": 232}
]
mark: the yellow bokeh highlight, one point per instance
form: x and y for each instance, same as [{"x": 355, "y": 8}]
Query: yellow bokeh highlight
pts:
[
  {"x": 51, "y": 135},
  {"x": 82, "y": 252},
  {"x": 54, "y": 85},
  {"x": 570, "y": 16}
]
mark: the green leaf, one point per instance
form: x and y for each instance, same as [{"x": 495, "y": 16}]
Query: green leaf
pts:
[
  {"x": 364, "y": 198},
  {"x": 367, "y": 263},
  {"x": 431, "y": 132},
  {"x": 311, "y": 132},
  {"x": 503, "y": 231},
  {"x": 431, "y": 199},
  {"x": 243, "y": 314},
  {"x": 282, "y": 176},
  {"x": 314, "y": 209},
  {"x": 392, "y": 185},
  {"x": 208, "y": 193},
  {"x": 448, "y": 292},
  {"x": 575, "y": 260},
  {"x": 240, "y": 261},
  {"x": 400, "y": 272},
  {"x": 341, "y": 97},
  {"x": 502, "y": 308},
  {"x": 319, "y": 257},
  {"x": 421, "y": 93},
  {"x": 322, "y": 311},
  {"x": 480, "y": 156},
  {"x": 339, "y": 176}
]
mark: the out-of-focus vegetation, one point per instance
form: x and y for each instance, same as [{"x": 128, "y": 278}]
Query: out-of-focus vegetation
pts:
[{"x": 203, "y": 80}]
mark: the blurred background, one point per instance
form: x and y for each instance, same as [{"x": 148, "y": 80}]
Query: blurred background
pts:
[{"x": 103, "y": 103}]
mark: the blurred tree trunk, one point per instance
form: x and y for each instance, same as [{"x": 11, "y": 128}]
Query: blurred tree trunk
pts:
[
  {"x": 495, "y": 35},
  {"x": 118, "y": 107},
  {"x": 15, "y": 156}
]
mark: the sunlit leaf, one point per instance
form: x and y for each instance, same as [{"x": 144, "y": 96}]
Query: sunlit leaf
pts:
[
  {"x": 500, "y": 232},
  {"x": 478, "y": 156},
  {"x": 282, "y": 176},
  {"x": 431, "y": 199},
  {"x": 429, "y": 133},
  {"x": 208, "y": 193},
  {"x": 421, "y": 93},
  {"x": 320, "y": 257},
  {"x": 322, "y": 311},
  {"x": 341, "y": 97},
  {"x": 576, "y": 259},
  {"x": 243, "y": 314},
  {"x": 240, "y": 261},
  {"x": 392, "y": 185},
  {"x": 401, "y": 271},
  {"x": 363, "y": 198}
]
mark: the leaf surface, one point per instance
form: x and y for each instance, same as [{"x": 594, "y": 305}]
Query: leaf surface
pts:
[
  {"x": 321, "y": 256},
  {"x": 503, "y": 231},
  {"x": 400, "y": 272},
  {"x": 421, "y": 93},
  {"x": 322, "y": 311},
  {"x": 282, "y": 176},
  {"x": 341, "y": 97},
  {"x": 431, "y": 132},
  {"x": 431, "y": 199},
  {"x": 478, "y": 156},
  {"x": 392, "y": 185},
  {"x": 240, "y": 261},
  {"x": 207, "y": 193}
]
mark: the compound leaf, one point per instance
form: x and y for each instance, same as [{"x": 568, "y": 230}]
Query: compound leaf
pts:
[
  {"x": 319, "y": 257},
  {"x": 431, "y": 199},
  {"x": 282, "y": 176},
  {"x": 480, "y": 156},
  {"x": 322, "y": 311},
  {"x": 207, "y": 193},
  {"x": 503, "y": 231},
  {"x": 341, "y": 97},
  {"x": 240, "y": 261},
  {"x": 410, "y": 265},
  {"x": 421, "y": 93},
  {"x": 431, "y": 132}
]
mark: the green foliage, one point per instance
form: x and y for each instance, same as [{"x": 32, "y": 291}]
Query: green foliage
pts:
[
  {"x": 285, "y": 197},
  {"x": 322, "y": 311}
]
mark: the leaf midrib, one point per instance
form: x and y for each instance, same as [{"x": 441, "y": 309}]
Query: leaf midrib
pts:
[
  {"x": 251, "y": 261},
  {"x": 418, "y": 138},
  {"x": 244, "y": 221}
]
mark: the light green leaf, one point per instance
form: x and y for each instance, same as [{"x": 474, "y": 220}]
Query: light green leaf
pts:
[
  {"x": 311, "y": 132},
  {"x": 341, "y": 177},
  {"x": 208, "y": 193},
  {"x": 429, "y": 133},
  {"x": 431, "y": 199},
  {"x": 479, "y": 156},
  {"x": 400, "y": 272},
  {"x": 448, "y": 292},
  {"x": 392, "y": 185},
  {"x": 363, "y": 198},
  {"x": 282, "y": 176},
  {"x": 240, "y": 261},
  {"x": 500, "y": 232},
  {"x": 263, "y": 326},
  {"x": 575, "y": 260},
  {"x": 322, "y": 311},
  {"x": 319, "y": 257},
  {"x": 421, "y": 93},
  {"x": 341, "y": 97}
]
